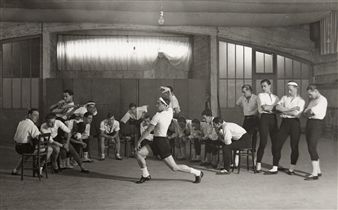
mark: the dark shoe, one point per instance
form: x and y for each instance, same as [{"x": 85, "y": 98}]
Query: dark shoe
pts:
[
  {"x": 101, "y": 159},
  {"x": 270, "y": 172},
  {"x": 198, "y": 179},
  {"x": 290, "y": 172},
  {"x": 143, "y": 179},
  {"x": 311, "y": 178},
  {"x": 319, "y": 174},
  {"x": 83, "y": 170},
  {"x": 214, "y": 166},
  {"x": 56, "y": 170}
]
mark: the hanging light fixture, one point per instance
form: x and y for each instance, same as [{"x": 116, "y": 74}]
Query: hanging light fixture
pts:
[{"x": 161, "y": 18}]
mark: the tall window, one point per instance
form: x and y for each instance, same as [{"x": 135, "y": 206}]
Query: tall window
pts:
[
  {"x": 20, "y": 74},
  {"x": 235, "y": 69},
  {"x": 240, "y": 65}
]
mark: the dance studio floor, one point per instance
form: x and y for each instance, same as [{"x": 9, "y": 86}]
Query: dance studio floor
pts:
[{"x": 110, "y": 185}]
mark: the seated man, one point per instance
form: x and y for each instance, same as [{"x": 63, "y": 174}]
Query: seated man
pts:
[
  {"x": 182, "y": 131},
  {"x": 134, "y": 117},
  {"x": 52, "y": 126},
  {"x": 233, "y": 137},
  {"x": 196, "y": 137},
  {"x": 109, "y": 130},
  {"x": 90, "y": 107},
  {"x": 143, "y": 126},
  {"x": 26, "y": 137},
  {"x": 210, "y": 137},
  {"x": 80, "y": 129},
  {"x": 65, "y": 107}
]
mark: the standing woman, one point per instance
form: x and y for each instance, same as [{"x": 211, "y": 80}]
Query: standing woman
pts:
[
  {"x": 315, "y": 113},
  {"x": 268, "y": 121}
]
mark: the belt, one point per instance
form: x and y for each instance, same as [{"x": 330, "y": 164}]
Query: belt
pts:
[
  {"x": 250, "y": 116},
  {"x": 21, "y": 143}
]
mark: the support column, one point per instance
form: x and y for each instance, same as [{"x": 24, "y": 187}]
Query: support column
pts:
[{"x": 213, "y": 75}]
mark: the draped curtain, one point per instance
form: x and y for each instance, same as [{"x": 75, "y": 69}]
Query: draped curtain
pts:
[{"x": 107, "y": 53}]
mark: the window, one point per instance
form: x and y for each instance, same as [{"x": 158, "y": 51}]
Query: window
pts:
[
  {"x": 20, "y": 73},
  {"x": 235, "y": 69},
  {"x": 236, "y": 64}
]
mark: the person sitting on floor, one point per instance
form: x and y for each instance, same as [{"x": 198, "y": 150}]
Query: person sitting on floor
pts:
[
  {"x": 52, "y": 125},
  {"x": 195, "y": 137},
  {"x": 210, "y": 137},
  {"x": 80, "y": 129},
  {"x": 26, "y": 137},
  {"x": 233, "y": 137},
  {"x": 109, "y": 130}
]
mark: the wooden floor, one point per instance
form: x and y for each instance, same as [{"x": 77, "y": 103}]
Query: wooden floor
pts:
[{"x": 110, "y": 185}]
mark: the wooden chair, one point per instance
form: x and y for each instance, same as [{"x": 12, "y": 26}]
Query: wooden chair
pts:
[
  {"x": 39, "y": 153},
  {"x": 245, "y": 151}
]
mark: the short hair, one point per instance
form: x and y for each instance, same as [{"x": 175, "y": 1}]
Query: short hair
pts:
[
  {"x": 110, "y": 115},
  {"x": 70, "y": 92},
  {"x": 266, "y": 80},
  {"x": 312, "y": 87},
  {"x": 87, "y": 114},
  {"x": 181, "y": 119},
  {"x": 247, "y": 87},
  {"x": 196, "y": 121},
  {"x": 32, "y": 110},
  {"x": 207, "y": 112},
  {"x": 171, "y": 88},
  {"x": 166, "y": 100},
  {"x": 50, "y": 116},
  {"x": 217, "y": 120},
  {"x": 131, "y": 105}
]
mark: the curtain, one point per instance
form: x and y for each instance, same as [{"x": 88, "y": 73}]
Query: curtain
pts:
[{"x": 107, "y": 53}]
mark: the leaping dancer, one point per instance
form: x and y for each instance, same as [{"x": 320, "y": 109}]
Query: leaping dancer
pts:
[{"x": 160, "y": 145}]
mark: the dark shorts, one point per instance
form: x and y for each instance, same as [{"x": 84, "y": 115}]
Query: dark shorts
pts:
[
  {"x": 24, "y": 148},
  {"x": 160, "y": 146}
]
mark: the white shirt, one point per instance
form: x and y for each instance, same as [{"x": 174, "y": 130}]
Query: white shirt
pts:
[
  {"x": 266, "y": 99},
  {"x": 161, "y": 121},
  {"x": 291, "y": 102},
  {"x": 54, "y": 130},
  {"x": 250, "y": 106},
  {"x": 108, "y": 129},
  {"x": 26, "y": 131},
  {"x": 318, "y": 106},
  {"x": 83, "y": 109},
  {"x": 231, "y": 131},
  {"x": 139, "y": 112},
  {"x": 174, "y": 103},
  {"x": 143, "y": 127}
]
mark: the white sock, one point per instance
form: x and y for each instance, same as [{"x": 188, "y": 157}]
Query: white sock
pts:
[
  {"x": 145, "y": 172},
  {"x": 236, "y": 160},
  {"x": 102, "y": 156},
  {"x": 315, "y": 166},
  {"x": 195, "y": 172},
  {"x": 85, "y": 155},
  {"x": 258, "y": 166},
  {"x": 292, "y": 167},
  {"x": 318, "y": 169},
  {"x": 274, "y": 168}
]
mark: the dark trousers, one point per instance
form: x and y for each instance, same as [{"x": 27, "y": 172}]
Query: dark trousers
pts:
[
  {"x": 289, "y": 127},
  {"x": 267, "y": 126},
  {"x": 251, "y": 125},
  {"x": 86, "y": 149},
  {"x": 314, "y": 130},
  {"x": 211, "y": 146},
  {"x": 242, "y": 143},
  {"x": 24, "y": 148},
  {"x": 72, "y": 151},
  {"x": 197, "y": 146}
]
